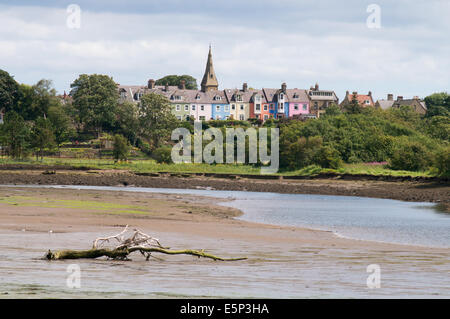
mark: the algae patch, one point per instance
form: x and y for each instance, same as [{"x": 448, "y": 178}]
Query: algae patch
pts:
[{"x": 96, "y": 206}]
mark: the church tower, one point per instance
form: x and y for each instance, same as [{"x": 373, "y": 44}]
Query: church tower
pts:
[{"x": 209, "y": 82}]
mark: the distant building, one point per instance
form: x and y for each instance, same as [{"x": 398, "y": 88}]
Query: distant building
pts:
[
  {"x": 320, "y": 100},
  {"x": 364, "y": 100},
  {"x": 416, "y": 104},
  {"x": 385, "y": 104},
  {"x": 210, "y": 103},
  {"x": 239, "y": 100},
  {"x": 209, "y": 82}
]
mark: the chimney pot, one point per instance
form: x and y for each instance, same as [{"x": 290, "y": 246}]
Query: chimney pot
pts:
[
  {"x": 244, "y": 87},
  {"x": 390, "y": 97},
  {"x": 151, "y": 84},
  {"x": 370, "y": 93},
  {"x": 399, "y": 98}
]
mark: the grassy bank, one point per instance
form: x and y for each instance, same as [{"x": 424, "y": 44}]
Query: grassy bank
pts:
[{"x": 151, "y": 166}]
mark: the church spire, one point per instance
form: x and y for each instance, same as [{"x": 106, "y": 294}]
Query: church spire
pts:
[{"x": 209, "y": 81}]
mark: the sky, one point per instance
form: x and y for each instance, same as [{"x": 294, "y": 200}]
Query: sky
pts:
[{"x": 263, "y": 43}]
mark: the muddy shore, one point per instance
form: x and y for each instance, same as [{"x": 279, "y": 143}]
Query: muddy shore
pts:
[
  {"x": 288, "y": 262},
  {"x": 418, "y": 191}
]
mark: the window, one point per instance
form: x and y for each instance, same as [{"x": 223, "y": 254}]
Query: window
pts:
[
  {"x": 188, "y": 117},
  {"x": 271, "y": 106},
  {"x": 217, "y": 107},
  {"x": 367, "y": 102},
  {"x": 202, "y": 118},
  {"x": 305, "y": 107},
  {"x": 281, "y": 106},
  {"x": 266, "y": 117},
  {"x": 281, "y": 96},
  {"x": 197, "y": 97},
  {"x": 296, "y": 107},
  {"x": 217, "y": 98},
  {"x": 257, "y": 98},
  {"x": 179, "y": 117},
  {"x": 227, "y": 108},
  {"x": 258, "y": 107},
  {"x": 193, "y": 108},
  {"x": 242, "y": 106},
  {"x": 233, "y": 106},
  {"x": 295, "y": 96},
  {"x": 186, "y": 107},
  {"x": 202, "y": 107},
  {"x": 178, "y": 107},
  {"x": 265, "y": 107},
  {"x": 123, "y": 95},
  {"x": 241, "y": 117}
]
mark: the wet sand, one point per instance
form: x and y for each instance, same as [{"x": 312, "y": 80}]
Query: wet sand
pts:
[
  {"x": 420, "y": 190},
  {"x": 286, "y": 262}
]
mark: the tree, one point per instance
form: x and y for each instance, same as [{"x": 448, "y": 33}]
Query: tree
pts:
[
  {"x": 36, "y": 100},
  {"x": 128, "y": 121},
  {"x": 155, "y": 118},
  {"x": 9, "y": 92},
  {"x": 333, "y": 110},
  {"x": 15, "y": 135},
  {"x": 95, "y": 97},
  {"x": 175, "y": 80},
  {"x": 438, "y": 104},
  {"x": 61, "y": 124},
  {"x": 121, "y": 149},
  {"x": 42, "y": 136},
  {"x": 353, "y": 107}
]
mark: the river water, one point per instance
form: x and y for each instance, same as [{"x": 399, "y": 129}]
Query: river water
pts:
[{"x": 24, "y": 275}]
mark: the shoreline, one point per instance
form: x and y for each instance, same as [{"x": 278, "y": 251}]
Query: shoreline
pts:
[
  {"x": 415, "y": 191},
  {"x": 295, "y": 262},
  {"x": 218, "y": 214}
]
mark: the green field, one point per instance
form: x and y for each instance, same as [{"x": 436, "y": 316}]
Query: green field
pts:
[{"x": 151, "y": 166}]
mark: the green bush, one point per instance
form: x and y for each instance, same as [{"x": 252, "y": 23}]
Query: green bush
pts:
[
  {"x": 121, "y": 149},
  {"x": 328, "y": 157},
  {"x": 442, "y": 161},
  {"x": 410, "y": 156},
  {"x": 163, "y": 154}
]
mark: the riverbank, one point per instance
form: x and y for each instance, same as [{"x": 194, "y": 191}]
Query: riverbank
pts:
[
  {"x": 288, "y": 262},
  {"x": 407, "y": 190}
]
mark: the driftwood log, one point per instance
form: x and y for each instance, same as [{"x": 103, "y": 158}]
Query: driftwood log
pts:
[{"x": 138, "y": 241}]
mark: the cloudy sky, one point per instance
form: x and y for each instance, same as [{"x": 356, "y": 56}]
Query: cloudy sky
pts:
[{"x": 261, "y": 42}]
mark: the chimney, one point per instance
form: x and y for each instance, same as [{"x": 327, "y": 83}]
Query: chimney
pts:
[
  {"x": 182, "y": 85},
  {"x": 416, "y": 97},
  {"x": 245, "y": 87},
  {"x": 283, "y": 87},
  {"x": 370, "y": 93},
  {"x": 399, "y": 98},
  {"x": 347, "y": 93},
  {"x": 151, "y": 84},
  {"x": 390, "y": 97},
  {"x": 355, "y": 93},
  {"x": 317, "y": 86},
  {"x": 166, "y": 87}
]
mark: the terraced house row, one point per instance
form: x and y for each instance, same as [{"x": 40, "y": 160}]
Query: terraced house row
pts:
[{"x": 210, "y": 103}]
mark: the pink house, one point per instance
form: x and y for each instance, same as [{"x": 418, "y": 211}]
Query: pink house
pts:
[{"x": 298, "y": 102}]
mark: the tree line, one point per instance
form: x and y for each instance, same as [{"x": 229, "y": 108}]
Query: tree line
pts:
[{"x": 36, "y": 119}]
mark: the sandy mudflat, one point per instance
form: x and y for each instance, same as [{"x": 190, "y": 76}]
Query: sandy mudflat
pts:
[{"x": 295, "y": 262}]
